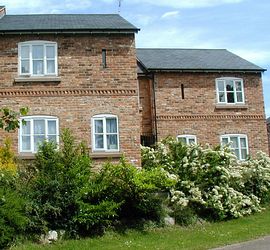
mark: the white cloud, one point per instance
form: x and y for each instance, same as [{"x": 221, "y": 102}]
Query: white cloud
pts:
[
  {"x": 255, "y": 56},
  {"x": 187, "y": 3},
  {"x": 267, "y": 112},
  {"x": 170, "y": 14}
]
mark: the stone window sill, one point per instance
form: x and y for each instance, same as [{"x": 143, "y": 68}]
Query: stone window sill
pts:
[
  {"x": 37, "y": 79},
  {"x": 231, "y": 106},
  {"x": 27, "y": 156},
  {"x": 94, "y": 155},
  {"x": 102, "y": 155}
]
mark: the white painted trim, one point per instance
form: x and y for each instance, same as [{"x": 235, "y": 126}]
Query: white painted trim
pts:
[
  {"x": 234, "y": 79},
  {"x": 187, "y": 137},
  {"x": 31, "y": 44},
  {"x": 103, "y": 117},
  {"x": 239, "y": 136},
  {"x": 31, "y": 119}
]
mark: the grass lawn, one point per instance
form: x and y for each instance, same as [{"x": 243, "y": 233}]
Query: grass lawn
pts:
[{"x": 197, "y": 237}]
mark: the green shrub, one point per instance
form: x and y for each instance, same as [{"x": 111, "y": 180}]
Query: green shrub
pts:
[
  {"x": 131, "y": 192},
  {"x": 53, "y": 192},
  {"x": 12, "y": 215},
  {"x": 211, "y": 182}
]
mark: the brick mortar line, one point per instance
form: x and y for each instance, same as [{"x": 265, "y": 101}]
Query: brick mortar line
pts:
[
  {"x": 69, "y": 92},
  {"x": 210, "y": 117}
]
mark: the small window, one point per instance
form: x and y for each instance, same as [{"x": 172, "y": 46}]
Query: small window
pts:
[
  {"x": 187, "y": 139},
  {"x": 38, "y": 58},
  {"x": 37, "y": 129},
  {"x": 105, "y": 133},
  {"x": 230, "y": 90},
  {"x": 104, "y": 58},
  {"x": 238, "y": 144}
]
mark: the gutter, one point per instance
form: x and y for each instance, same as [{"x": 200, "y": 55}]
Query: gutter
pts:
[
  {"x": 207, "y": 70},
  {"x": 20, "y": 32}
]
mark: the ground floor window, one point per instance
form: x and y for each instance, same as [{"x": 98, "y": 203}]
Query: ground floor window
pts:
[
  {"x": 187, "y": 139},
  {"x": 35, "y": 130},
  {"x": 105, "y": 133},
  {"x": 238, "y": 143}
]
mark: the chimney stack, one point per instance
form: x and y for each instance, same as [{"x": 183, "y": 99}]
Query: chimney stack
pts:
[{"x": 2, "y": 11}]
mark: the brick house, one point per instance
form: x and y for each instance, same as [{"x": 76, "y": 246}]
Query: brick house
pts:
[
  {"x": 82, "y": 72},
  {"x": 75, "y": 71},
  {"x": 202, "y": 96}
]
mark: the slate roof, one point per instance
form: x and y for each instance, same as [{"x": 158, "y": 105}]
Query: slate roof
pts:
[
  {"x": 65, "y": 23},
  {"x": 194, "y": 59},
  {"x": 268, "y": 120}
]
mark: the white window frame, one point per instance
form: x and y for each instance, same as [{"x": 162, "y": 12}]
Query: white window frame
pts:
[
  {"x": 31, "y": 44},
  {"x": 239, "y": 136},
  {"x": 234, "y": 79},
  {"x": 31, "y": 119},
  {"x": 103, "y": 117},
  {"x": 187, "y": 137}
]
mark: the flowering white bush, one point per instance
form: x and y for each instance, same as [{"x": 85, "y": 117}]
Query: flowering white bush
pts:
[{"x": 212, "y": 182}]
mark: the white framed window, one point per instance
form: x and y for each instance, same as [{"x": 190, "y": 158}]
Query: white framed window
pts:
[
  {"x": 105, "y": 133},
  {"x": 35, "y": 130},
  {"x": 38, "y": 58},
  {"x": 238, "y": 143},
  {"x": 230, "y": 90},
  {"x": 187, "y": 139}
]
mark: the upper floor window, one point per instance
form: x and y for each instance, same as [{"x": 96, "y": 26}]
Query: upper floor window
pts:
[
  {"x": 230, "y": 90},
  {"x": 187, "y": 139},
  {"x": 35, "y": 130},
  {"x": 238, "y": 143},
  {"x": 37, "y": 58},
  {"x": 105, "y": 133}
]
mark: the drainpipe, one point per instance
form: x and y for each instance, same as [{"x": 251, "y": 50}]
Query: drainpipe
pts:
[{"x": 154, "y": 105}]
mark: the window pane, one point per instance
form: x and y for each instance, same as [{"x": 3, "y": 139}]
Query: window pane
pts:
[
  {"x": 37, "y": 51},
  {"x": 50, "y": 52},
  {"x": 111, "y": 126},
  {"x": 191, "y": 141},
  {"x": 26, "y": 128},
  {"x": 229, "y": 85},
  {"x": 112, "y": 142},
  {"x": 236, "y": 151},
  {"x": 221, "y": 96},
  {"x": 52, "y": 138},
  {"x": 99, "y": 143},
  {"x": 26, "y": 143},
  {"x": 38, "y": 141},
  {"x": 39, "y": 127},
  {"x": 234, "y": 141},
  {"x": 50, "y": 66},
  {"x": 238, "y": 86},
  {"x": 239, "y": 96},
  {"x": 182, "y": 139},
  {"x": 243, "y": 143},
  {"x": 25, "y": 66},
  {"x": 52, "y": 127},
  {"x": 224, "y": 141},
  {"x": 38, "y": 67},
  {"x": 244, "y": 154},
  {"x": 25, "y": 52},
  {"x": 220, "y": 86},
  {"x": 98, "y": 126},
  {"x": 230, "y": 97}
]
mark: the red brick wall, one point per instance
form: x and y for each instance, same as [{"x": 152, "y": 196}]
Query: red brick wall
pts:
[
  {"x": 86, "y": 88},
  {"x": 198, "y": 115},
  {"x": 146, "y": 105}
]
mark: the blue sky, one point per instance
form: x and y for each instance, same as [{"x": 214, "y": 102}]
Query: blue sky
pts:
[{"x": 241, "y": 26}]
